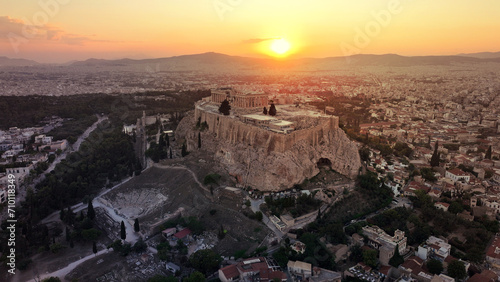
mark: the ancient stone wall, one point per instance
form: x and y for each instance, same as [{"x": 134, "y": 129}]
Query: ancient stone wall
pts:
[
  {"x": 271, "y": 161},
  {"x": 235, "y": 131}
]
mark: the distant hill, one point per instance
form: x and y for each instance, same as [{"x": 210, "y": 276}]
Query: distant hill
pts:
[
  {"x": 216, "y": 62},
  {"x": 482, "y": 55},
  {"x": 8, "y": 62},
  {"x": 221, "y": 62}
]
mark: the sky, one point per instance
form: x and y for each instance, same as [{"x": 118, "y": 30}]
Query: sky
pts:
[{"x": 57, "y": 31}]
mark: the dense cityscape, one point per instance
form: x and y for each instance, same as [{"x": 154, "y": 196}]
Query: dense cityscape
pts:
[{"x": 177, "y": 141}]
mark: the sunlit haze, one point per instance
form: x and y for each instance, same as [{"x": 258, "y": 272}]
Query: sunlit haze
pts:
[{"x": 62, "y": 31}]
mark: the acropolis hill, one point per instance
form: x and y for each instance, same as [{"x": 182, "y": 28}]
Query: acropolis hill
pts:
[{"x": 270, "y": 153}]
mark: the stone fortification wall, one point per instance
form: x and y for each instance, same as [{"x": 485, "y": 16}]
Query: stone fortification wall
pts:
[
  {"x": 235, "y": 131},
  {"x": 271, "y": 161}
]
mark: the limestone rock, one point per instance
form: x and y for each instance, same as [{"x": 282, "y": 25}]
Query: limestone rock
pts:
[{"x": 270, "y": 161}]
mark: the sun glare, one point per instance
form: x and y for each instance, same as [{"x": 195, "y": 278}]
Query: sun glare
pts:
[{"x": 280, "y": 46}]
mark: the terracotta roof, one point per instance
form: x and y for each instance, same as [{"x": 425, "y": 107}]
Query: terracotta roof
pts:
[
  {"x": 446, "y": 205},
  {"x": 269, "y": 274},
  {"x": 183, "y": 233},
  {"x": 385, "y": 270},
  {"x": 494, "y": 249},
  {"x": 480, "y": 278},
  {"x": 230, "y": 271},
  {"x": 458, "y": 172}
]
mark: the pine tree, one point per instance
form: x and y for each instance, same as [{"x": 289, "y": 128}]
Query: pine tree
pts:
[
  {"x": 435, "y": 156},
  {"x": 167, "y": 140},
  {"x": 225, "y": 108},
  {"x": 136, "y": 225},
  {"x": 123, "y": 233},
  {"x": 94, "y": 248},
  {"x": 272, "y": 110},
  {"x": 264, "y": 111},
  {"x": 488, "y": 153},
  {"x": 170, "y": 152},
  {"x": 199, "y": 140},
  {"x": 90, "y": 211}
]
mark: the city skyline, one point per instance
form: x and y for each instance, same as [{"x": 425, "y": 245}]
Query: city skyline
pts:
[{"x": 59, "y": 31}]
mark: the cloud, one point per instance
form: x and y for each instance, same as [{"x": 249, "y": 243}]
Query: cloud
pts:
[
  {"x": 9, "y": 25},
  {"x": 18, "y": 27},
  {"x": 258, "y": 40}
]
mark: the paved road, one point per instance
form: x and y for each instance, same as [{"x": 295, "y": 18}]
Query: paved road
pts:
[{"x": 255, "y": 206}]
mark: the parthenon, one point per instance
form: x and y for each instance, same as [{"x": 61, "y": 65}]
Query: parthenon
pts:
[{"x": 240, "y": 100}]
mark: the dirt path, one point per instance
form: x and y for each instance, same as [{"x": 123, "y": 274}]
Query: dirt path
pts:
[{"x": 187, "y": 169}]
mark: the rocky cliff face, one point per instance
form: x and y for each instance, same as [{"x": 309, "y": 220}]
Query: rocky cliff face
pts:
[{"x": 270, "y": 161}]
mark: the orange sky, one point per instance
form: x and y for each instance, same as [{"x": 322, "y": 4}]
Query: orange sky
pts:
[{"x": 65, "y": 30}]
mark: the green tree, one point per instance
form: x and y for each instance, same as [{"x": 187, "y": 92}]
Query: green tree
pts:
[
  {"x": 136, "y": 225},
  {"x": 199, "y": 140},
  {"x": 62, "y": 214},
  {"x": 225, "y": 108},
  {"x": 435, "y": 266},
  {"x": 90, "y": 210},
  {"x": 456, "y": 207},
  {"x": 123, "y": 233},
  {"x": 435, "y": 156},
  {"x": 258, "y": 216},
  {"x": 195, "y": 277},
  {"x": 272, "y": 110},
  {"x": 161, "y": 278},
  {"x": 205, "y": 261},
  {"x": 90, "y": 234},
  {"x": 456, "y": 269},
  {"x": 370, "y": 257},
  {"x": 364, "y": 154},
  {"x": 161, "y": 142},
  {"x": 67, "y": 234},
  {"x": 488, "y": 153},
  {"x": 94, "y": 248},
  {"x": 140, "y": 246},
  {"x": 397, "y": 258},
  {"x": 184, "y": 151}
]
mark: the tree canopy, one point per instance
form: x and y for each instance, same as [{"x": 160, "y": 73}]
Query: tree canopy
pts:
[{"x": 225, "y": 108}]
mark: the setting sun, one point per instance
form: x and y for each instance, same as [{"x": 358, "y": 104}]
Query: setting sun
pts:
[{"x": 280, "y": 46}]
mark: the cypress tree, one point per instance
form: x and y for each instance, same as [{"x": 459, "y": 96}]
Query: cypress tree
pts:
[
  {"x": 272, "y": 110},
  {"x": 264, "y": 111},
  {"x": 123, "y": 233},
  {"x": 90, "y": 211},
  {"x": 199, "y": 140},
  {"x": 435, "y": 156},
  {"x": 136, "y": 225},
  {"x": 94, "y": 248},
  {"x": 225, "y": 108},
  {"x": 62, "y": 214},
  {"x": 67, "y": 234},
  {"x": 184, "y": 150},
  {"x": 488, "y": 153}
]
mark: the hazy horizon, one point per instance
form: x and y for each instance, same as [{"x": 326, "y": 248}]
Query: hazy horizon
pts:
[{"x": 59, "y": 31}]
